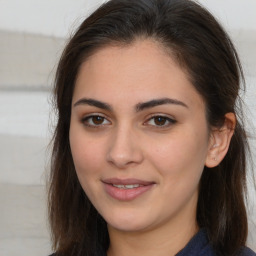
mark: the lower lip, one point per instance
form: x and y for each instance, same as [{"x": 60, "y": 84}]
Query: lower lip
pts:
[{"x": 126, "y": 194}]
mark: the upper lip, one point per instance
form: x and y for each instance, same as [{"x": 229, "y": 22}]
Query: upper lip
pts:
[{"x": 118, "y": 181}]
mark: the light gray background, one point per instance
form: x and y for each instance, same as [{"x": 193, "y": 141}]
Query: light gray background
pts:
[{"x": 32, "y": 35}]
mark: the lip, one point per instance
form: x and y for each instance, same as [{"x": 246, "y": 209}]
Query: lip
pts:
[{"x": 126, "y": 194}]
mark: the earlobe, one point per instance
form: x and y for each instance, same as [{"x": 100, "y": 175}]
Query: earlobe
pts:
[{"x": 220, "y": 140}]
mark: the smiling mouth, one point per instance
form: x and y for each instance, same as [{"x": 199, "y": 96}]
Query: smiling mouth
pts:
[
  {"x": 126, "y": 189},
  {"x": 127, "y": 183},
  {"x": 127, "y": 186}
]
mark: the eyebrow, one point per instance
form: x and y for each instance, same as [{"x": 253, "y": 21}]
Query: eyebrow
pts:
[
  {"x": 139, "y": 107},
  {"x": 158, "y": 102},
  {"x": 95, "y": 103}
]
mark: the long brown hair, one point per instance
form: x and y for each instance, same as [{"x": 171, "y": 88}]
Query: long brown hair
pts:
[{"x": 201, "y": 47}]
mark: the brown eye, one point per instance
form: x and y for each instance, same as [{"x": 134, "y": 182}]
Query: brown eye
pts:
[
  {"x": 95, "y": 121},
  {"x": 160, "y": 120}
]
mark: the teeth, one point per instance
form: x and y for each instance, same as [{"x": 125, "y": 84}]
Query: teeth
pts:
[
  {"x": 126, "y": 186},
  {"x": 132, "y": 186},
  {"x": 118, "y": 186}
]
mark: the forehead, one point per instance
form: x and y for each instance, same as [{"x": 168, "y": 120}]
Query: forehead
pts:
[{"x": 136, "y": 72}]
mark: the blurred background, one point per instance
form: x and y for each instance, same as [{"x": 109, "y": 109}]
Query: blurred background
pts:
[{"x": 32, "y": 36}]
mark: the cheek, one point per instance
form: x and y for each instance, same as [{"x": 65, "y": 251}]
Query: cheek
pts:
[
  {"x": 87, "y": 153},
  {"x": 182, "y": 155},
  {"x": 87, "y": 157}
]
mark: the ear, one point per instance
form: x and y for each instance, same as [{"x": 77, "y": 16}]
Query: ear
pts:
[{"x": 220, "y": 140}]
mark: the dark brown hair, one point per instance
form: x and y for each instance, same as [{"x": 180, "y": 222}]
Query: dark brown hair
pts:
[{"x": 201, "y": 47}]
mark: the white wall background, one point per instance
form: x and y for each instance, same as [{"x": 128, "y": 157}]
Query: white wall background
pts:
[
  {"x": 47, "y": 17},
  {"x": 58, "y": 17}
]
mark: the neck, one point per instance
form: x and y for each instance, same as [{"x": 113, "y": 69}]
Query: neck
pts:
[{"x": 161, "y": 241}]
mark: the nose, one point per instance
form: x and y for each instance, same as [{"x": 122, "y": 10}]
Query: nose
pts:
[{"x": 124, "y": 149}]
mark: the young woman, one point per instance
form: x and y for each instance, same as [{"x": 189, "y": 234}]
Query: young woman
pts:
[{"x": 149, "y": 150}]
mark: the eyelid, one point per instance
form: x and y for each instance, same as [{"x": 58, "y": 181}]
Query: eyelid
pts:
[
  {"x": 170, "y": 119},
  {"x": 86, "y": 117}
]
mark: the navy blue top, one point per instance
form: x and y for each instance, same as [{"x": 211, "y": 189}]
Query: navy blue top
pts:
[{"x": 199, "y": 245}]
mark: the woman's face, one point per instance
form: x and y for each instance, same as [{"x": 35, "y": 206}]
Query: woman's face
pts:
[{"x": 139, "y": 137}]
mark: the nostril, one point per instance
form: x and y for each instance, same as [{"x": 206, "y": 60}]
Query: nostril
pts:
[
  {"x": 123, "y": 159},
  {"x": 124, "y": 149}
]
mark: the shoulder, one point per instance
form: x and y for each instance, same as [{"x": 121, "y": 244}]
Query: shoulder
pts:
[{"x": 247, "y": 252}]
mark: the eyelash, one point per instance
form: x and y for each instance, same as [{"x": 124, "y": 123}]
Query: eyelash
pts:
[
  {"x": 170, "y": 121},
  {"x": 86, "y": 121}
]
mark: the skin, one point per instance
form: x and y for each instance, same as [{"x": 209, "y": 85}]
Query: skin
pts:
[{"x": 127, "y": 143}]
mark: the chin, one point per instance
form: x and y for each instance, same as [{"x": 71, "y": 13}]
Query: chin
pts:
[
  {"x": 127, "y": 227},
  {"x": 126, "y": 222}
]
